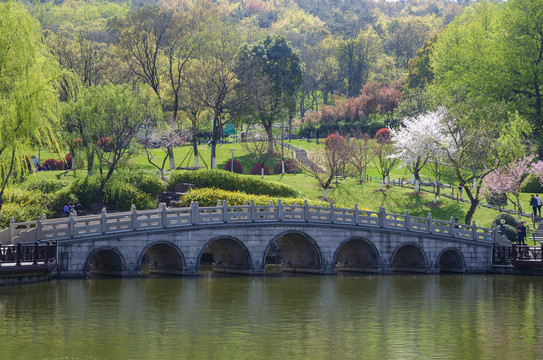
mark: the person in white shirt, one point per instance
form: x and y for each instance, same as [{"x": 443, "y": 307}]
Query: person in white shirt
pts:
[{"x": 539, "y": 203}]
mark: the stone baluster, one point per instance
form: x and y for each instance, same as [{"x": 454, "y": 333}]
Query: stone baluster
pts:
[
  {"x": 103, "y": 220},
  {"x": 430, "y": 221},
  {"x": 253, "y": 211},
  {"x": 195, "y": 212},
  {"x": 306, "y": 211},
  {"x": 382, "y": 216},
  {"x": 332, "y": 214},
  {"x": 71, "y": 224},
  {"x": 407, "y": 220},
  {"x": 474, "y": 231},
  {"x": 452, "y": 227},
  {"x": 356, "y": 215},
  {"x": 224, "y": 211},
  {"x": 164, "y": 215},
  {"x": 134, "y": 215},
  {"x": 279, "y": 210}
]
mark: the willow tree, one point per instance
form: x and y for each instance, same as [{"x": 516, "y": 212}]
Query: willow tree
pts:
[{"x": 28, "y": 92}]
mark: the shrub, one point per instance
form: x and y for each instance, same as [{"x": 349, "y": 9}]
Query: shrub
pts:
[
  {"x": 23, "y": 197},
  {"x": 531, "y": 185},
  {"x": 290, "y": 168},
  {"x": 121, "y": 195},
  {"x": 511, "y": 232},
  {"x": 509, "y": 220},
  {"x": 21, "y": 212},
  {"x": 232, "y": 182},
  {"x": 207, "y": 197},
  {"x": 57, "y": 199},
  {"x": 121, "y": 191},
  {"x": 144, "y": 181},
  {"x": 23, "y": 205},
  {"x": 257, "y": 170},
  {"x": 238, "y": 168},
  {"x": 54, "y": 164},
  {"x": 85, "y": 189},
  {"x": 68, "y": 161},
  {"x": 46, "y": 186},
  {"x": 383, "y": 135}
]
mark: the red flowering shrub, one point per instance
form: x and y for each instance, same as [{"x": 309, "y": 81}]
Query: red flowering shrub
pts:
[
  {"x": 238, "y": 168},
  {"x": 54, "y": 164},
  {"x": 383, "y": 135},
  {"x": 335, "y": 141},
  {"x": 290, "y": 168},
  {"x": 257, "y": 170},
  {"x": 106, "y": 143}
]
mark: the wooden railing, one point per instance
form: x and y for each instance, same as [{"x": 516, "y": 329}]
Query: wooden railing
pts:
[
  {"x": 163, "y": 217},
  {"x": 28, "y": 254}
]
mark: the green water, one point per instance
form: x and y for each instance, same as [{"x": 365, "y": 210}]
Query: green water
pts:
[{"x": 289, "y": 317}]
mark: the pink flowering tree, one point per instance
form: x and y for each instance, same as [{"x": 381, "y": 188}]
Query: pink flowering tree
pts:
[
  {"x": 507, "y": 180},
  {"x": 163, "y": 137},
  {"x": 537, "y": 170}
]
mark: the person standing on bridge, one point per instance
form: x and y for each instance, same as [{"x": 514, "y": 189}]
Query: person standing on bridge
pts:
[
  {"x": 539, "y": 203},
  {"x": 521, "y": 233}
]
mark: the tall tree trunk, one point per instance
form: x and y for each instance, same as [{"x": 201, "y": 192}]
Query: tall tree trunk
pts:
[
  {"x": 213, "y": 157},
  {"x": 474, "y": 201},
  {"x": 270, "y": 139},
  {"x": 170, "y": 155},
  {"x": 195, "y": 150},
  {"x": 90, "y": 161}
]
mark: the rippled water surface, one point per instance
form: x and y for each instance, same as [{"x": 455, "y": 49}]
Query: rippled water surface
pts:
[{"x": 289, "y": 317}]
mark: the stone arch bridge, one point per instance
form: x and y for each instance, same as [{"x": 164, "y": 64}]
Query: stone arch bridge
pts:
[{"x": 238, "y": 239}]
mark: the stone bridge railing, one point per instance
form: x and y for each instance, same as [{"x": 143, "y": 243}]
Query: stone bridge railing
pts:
[{"x": 165, "y": 218}]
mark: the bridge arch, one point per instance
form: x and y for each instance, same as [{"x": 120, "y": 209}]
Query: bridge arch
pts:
[
  {"x": 299, "y": 251},
  {"x": 451, "y": 260},
  {"x": 105, "y": 261},
  {"x": 228, "y": 253},
  {"x": 357, "y": 254},
  {"x": 162, "y": 257},
  {"x": 409, "y": 257}
]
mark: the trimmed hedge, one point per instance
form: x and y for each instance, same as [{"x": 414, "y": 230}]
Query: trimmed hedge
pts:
[
  {"x": 238, "y": 168},
  {"x": 121, "y": 191},
  {"x": 226, "y": 180},
  {"x": 509, "y": 220},
  {"x": 47, "y": 185},
  {"x": 207, "y": 197},
  {"x": 290, "y": 168},
  {"x": 531, "y": 185},
  {"x": 257, "y": 170}
]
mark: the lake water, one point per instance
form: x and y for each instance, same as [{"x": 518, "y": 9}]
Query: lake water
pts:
[{"x": 275, "y": 317}]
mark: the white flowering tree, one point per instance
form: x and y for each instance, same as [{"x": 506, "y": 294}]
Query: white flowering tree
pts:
[
  {"x": 507, "y": 180},
  {"x": 417, "y": 142}
]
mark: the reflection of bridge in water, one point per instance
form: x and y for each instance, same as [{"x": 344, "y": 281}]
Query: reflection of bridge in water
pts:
[{"x": 238, "y": 238}]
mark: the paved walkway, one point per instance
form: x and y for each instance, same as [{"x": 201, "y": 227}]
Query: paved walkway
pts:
[{"x": 301, "y": 156}]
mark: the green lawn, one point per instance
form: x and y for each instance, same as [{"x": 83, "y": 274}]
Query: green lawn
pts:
[{"x": 347, "y": 193}]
